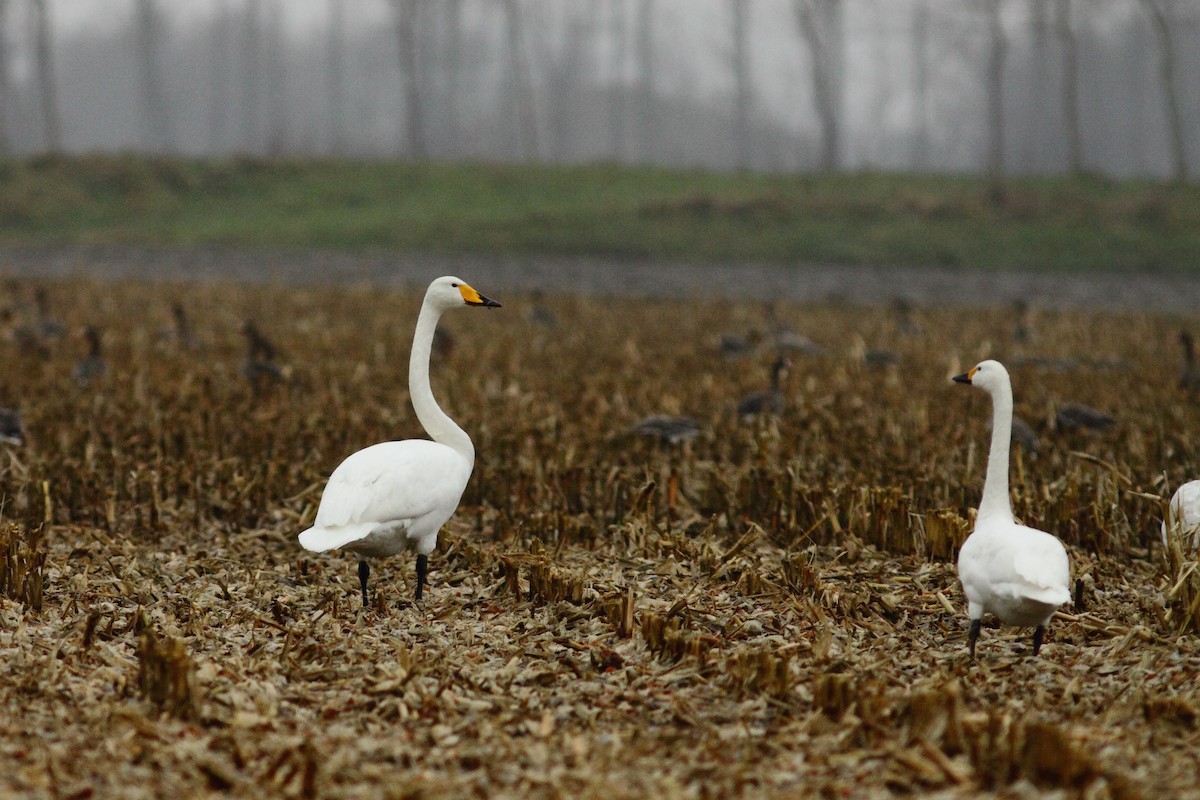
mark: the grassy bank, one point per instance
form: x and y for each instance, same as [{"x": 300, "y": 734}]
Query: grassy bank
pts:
[{"x": 603, "y": 210}]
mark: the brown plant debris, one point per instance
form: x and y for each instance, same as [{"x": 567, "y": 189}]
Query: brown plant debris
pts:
[{"x": 768, "y": 609}]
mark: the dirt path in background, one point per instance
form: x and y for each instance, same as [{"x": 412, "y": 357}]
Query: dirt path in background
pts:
[{"x": 930, "y": 286}]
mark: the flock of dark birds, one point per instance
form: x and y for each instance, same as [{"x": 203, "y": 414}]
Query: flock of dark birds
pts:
[
  {"x": 785, "y": 344},
  {"x": 29, "y": 326}
]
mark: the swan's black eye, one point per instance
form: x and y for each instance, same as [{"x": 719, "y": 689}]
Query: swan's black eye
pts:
[{"x": 455, "y": 285}]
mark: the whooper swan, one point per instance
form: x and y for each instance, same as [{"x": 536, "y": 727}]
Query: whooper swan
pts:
[
  {"x": 381, "y": 497},
  {"x": 1018, "y": 573}
]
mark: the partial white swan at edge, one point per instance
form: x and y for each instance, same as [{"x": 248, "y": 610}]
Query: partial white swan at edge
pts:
[{"x": 1183, "y": 516}]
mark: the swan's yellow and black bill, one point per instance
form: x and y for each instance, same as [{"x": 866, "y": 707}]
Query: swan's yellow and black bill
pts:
[
  {"x": 474, "y": 298},
  {"x": 966, "y": 376}
]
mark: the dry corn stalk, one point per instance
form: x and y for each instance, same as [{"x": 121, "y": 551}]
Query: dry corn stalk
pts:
[
  {"x": 166, "y": 674},
  {"x": 945, "y": 531},
  {"x": 760, "y": 672},
  {"x": 21, "y": 564},
  {"x": 666, "y": 637}
]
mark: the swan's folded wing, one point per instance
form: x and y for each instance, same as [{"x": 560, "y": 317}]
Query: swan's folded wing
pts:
[
  {"x": 392, "y": 482},
  {"x": 345, "y": 500},
  {"x": 1043, "y": 565}
]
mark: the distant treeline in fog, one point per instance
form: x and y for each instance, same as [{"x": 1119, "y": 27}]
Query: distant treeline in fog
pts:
[{"x": 992, "y": 86}]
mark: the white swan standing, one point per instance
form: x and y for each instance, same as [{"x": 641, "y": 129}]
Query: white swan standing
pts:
[
  {"x": 1183, "y": 516},
  {"x": 1018, "y": 573},
  {"x": 381, "y": 497}
]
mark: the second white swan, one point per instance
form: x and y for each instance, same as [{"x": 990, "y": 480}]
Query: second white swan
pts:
[{"x": 1020, "y": 574}]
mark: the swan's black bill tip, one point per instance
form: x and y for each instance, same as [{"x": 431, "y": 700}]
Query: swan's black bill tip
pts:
[
  {"x": 964, "y": 378},
  {"x": 486, "y": 302}
]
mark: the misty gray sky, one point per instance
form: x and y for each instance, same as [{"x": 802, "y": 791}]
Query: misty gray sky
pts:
[{"x": 910, "y": 81}]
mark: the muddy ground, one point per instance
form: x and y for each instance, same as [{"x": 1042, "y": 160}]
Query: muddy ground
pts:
[
  {"x": 1166, "y": 292},
  {"x": 769, "y": 609}
]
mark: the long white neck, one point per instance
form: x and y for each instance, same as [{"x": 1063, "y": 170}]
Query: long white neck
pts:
[
  {"x": 437, "y": 424},
  {"x": 995, "y": 502}
]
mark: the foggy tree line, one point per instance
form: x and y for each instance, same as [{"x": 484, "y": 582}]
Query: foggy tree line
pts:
[{"x": 994, "y": 86}]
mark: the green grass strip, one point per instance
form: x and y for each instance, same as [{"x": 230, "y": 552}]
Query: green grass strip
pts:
[{"x": 604, "y": 210}]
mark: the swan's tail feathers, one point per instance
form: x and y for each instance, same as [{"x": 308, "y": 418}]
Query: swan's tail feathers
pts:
[
  {"x": 320, "y": 539},
  {"x": 1050, "y": 595}
]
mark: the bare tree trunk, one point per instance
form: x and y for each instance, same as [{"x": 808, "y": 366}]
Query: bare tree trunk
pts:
[
  {"x": 222, "y": 100},
  {"x": 251, "y": 80},
  {"x": 5, "y": 95},
  {"x": 741, "y": 81},
  {"x": 452, "y": 73},
  {"x": 47, "y": 81},
  {"x": 275, "y": 78},
  {"x": 997, "y": 53},
  {"x": 1160, "y": 17},
  {"x": 1070, "y": 84},
  {"x": 414, "y": 111},
  {"x": 1036, "y": 144},
  {"x": 149, "y": 35},
  {"x": 648, "y": 83},
  {"x": 525, "y": 127},
  {"x": 920, "y": 60},
  {"x": 562, "y": 114},
  {"x": 335, "y": 85},
  {"x": 563, "y": 85},
  {"x": 617, "y": 93},
  {"x": 821, "y": 26}
]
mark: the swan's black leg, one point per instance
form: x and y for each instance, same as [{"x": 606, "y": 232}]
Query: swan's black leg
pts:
[
  {"x": 364, "y": 572},
  {"x": 973, "y": 634},
  {"x": 1038, "y": 635},
  {"x": 422, "y": 568}
]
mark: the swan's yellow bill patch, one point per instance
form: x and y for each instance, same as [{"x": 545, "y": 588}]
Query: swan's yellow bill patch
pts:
[
  {"x": 469, "y": 295},
  {"x": 971, "y": 372}
]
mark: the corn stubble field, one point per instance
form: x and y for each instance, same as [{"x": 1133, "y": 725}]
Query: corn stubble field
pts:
[{"x": 771, "y": 607}]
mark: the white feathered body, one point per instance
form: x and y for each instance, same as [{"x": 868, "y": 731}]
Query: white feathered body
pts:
[
  {"x": 1183, "y": 515},
  {"x": 387, "y": 494},
  {"x": 1018, "y": 573}
]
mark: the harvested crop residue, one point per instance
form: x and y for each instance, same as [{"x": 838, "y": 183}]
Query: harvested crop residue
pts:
[{"x": 768, "y": 607}]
